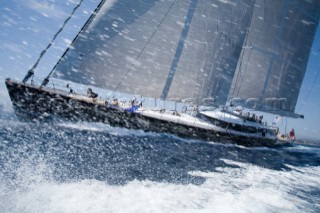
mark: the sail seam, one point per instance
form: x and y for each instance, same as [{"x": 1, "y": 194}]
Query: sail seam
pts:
[
  {"x": 264, "y": 88},
  {"x": 180, "y": 46},
  {"x": 144, "y": 47}
]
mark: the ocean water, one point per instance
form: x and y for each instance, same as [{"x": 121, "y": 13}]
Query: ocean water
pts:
[{"x": 82, "y": 167}]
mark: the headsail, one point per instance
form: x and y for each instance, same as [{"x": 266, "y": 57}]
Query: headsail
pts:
[
  {"x": 275, "y": 55},
  {"x": 169, "y": 48}
]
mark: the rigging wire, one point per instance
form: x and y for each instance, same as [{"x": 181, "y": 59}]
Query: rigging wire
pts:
[
  {"x": 310, "y": 90},
  {"x": 31, "y": 71},
  {"x": 154, "y": 32},
  {"x": 46, "y": 80},
  {"x": 285, "y": 128},
  {"x": 241, "y": 71}
]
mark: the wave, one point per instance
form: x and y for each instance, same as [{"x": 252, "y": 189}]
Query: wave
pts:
[
  {"x": 82, "y": 167},
  {"x": 246, "y": 188}
]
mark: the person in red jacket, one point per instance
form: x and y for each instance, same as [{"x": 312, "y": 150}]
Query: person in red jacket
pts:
[{"x": 291, "y": 134}]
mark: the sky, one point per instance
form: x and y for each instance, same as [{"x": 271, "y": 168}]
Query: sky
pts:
[{"x": 28, "y": 26}]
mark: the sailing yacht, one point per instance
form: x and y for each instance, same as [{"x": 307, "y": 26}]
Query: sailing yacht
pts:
[{"x": 251, "y": 54}]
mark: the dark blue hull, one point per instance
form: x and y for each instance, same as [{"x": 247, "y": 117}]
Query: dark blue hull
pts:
[{"x": 43, "y": 104}]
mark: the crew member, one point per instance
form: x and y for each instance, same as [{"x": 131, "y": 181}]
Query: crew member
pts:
[
  {"x": 291, "y": 134},
  {"x": 91, "y": 94}
]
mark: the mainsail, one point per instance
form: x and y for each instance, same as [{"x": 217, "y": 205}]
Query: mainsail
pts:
[
  {"x": 185, "y": 49},
  {"x": 275, "y": 55}
]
